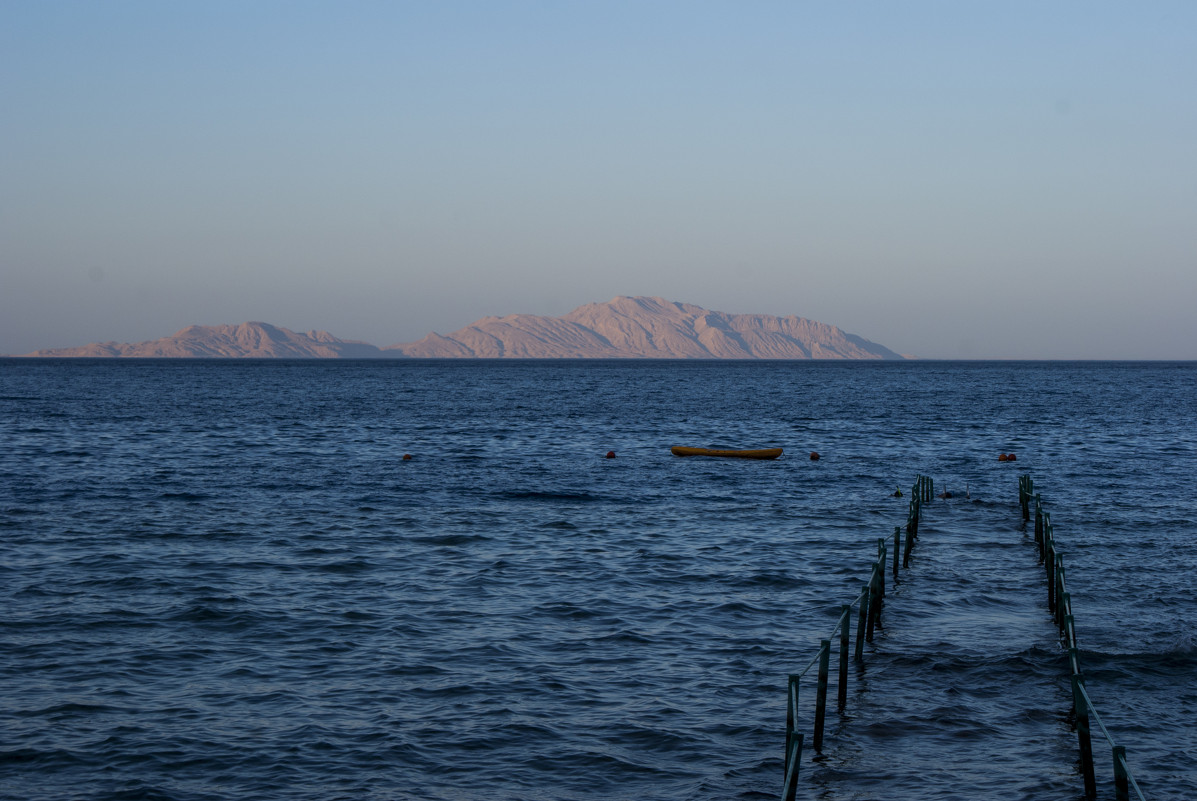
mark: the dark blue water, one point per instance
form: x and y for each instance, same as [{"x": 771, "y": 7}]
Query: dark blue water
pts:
[{"x": 221, "y": 580}]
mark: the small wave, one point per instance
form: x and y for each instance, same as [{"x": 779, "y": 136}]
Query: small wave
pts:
[
  {"x": 69, "y": 708},
  {"x": 354, "y": 565},
  {"x": 416, "y": 670},
  {"x": 450, "y": 539},
  {"x": 624, "y": 637},
  {"x": 1180, "y": 655},
  {"x": 566, "y": 611},
  {"x": 209, "y": 614},
  {"x": 550, "y": 497},
  {"x": 773, "y": 580},
  {"x": 51, "y": 758},
  {"x": 737, "y": 608},
  {"x": 187, "y": 497},
  {"x": 561, "y": 525},
  {"x": 585, "y": 765}
]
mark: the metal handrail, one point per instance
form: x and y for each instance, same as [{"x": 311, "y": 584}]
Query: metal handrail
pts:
[
  {"x": 869, "y": 601},
  {"x": 1060, "y": 604}
]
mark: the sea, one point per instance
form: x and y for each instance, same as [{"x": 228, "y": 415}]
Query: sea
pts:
[{"x": 226, "y": 580}]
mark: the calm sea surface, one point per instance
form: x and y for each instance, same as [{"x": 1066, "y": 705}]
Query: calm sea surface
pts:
[{"x": 220, "y": 580}]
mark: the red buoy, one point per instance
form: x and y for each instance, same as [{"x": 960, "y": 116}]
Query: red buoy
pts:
[
  {"x": 814, "y": 456},
  {"x": 1003, "y": 458},
  {"x": 610, "y": 454},
  {"x": 407, "y": 457},
  {"x": 1011, "y": 457}
]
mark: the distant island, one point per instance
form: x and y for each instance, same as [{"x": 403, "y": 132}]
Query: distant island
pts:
[{"x": 624, "y": 328}]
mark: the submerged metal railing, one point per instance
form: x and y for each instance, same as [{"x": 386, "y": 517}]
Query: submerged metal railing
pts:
[
  {"x": 1059, "y": 602},
  {"x": 869, "y": 602}
]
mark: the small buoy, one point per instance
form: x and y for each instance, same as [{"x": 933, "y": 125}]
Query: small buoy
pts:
[
  {"x": 897, "y": 493},
  {"x": 610, "y": 454},
  {"x": 814, "y": 456},
  {"x": 1003, "y": 458},
  {"x": 407, "y": 457},
  {"x": 1011, "y": 457}
]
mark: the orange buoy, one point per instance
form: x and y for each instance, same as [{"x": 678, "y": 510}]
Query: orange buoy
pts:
[
  {"x": 1003, "y": 458},
  {"x": 814, "y": 456},
  {"x": 610, "y": 454},
  {"x": 407, "y": 457},
  {"x": 1011, "y": 457}
]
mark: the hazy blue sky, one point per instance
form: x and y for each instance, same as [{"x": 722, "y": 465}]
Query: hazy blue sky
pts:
[{"x": 950, "y": 179}]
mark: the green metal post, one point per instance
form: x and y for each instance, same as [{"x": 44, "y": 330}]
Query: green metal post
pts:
[
  {"x": 1074, "y": 661},
  {"x": 842, "y": 686},
  {"x": 860, "y": 623},
  {"x": 1121, "y": 780},
  {"x": 793, "y": 761},
  {"x": 821, "y": 693},
  {"x": 897, "y": 547},
  {"x": 881, "y": 567},
  {"x": 1050, "y": 561},
  {"x": 792, "y": 688},
  {"x": 1048, "y": 535},
  {"x": 1059, "y": 610},
  {"x": 792, "y": 702},
  {"x": 1083, "y": 737},
  {"x": 874, "y": 605},
  {"x": 1039, "y": 523}
]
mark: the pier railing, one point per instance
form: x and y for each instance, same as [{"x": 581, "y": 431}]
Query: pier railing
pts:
[
  {"x": 1059, "y": 602},
  {"x": 869, "y": 603}
]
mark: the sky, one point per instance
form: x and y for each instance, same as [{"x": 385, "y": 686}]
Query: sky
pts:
[{"x": 951, "y": 180}]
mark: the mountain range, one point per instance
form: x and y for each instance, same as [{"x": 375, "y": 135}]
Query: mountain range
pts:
[{"x": 624, "y": 328}]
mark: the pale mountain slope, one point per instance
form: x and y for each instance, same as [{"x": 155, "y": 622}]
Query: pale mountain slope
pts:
[
  {"x": 246, "y": 341},
  {"x": 645, "y": 327}
]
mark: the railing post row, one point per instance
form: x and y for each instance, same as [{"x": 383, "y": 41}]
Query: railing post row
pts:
[
  {"x": 1059, "y": 601},
  {"x": 871, "y": 600}
]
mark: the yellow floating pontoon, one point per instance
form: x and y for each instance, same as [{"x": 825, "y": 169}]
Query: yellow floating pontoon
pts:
[{"x": 764, "y": 453}]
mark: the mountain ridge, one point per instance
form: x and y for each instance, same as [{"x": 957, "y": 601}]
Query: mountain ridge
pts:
[{"x": 623, "y": 328}]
